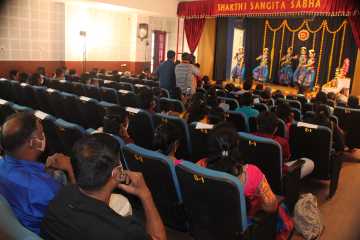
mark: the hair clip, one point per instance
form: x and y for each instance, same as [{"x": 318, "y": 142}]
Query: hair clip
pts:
[{"x": 225, "y": 153}]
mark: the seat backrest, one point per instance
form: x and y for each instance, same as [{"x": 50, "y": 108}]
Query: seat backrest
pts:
[
  {"x": 68, "y": 133},
  {"x": 214, "y": 202},
  {"x": 199, "y": 138},
  {"x": 314, "y": 142},
  {"x": 78, "y": 89},
  {"x": 167, "y": 104},
  {"x": 295, "y": 104},
  {"x": 5, "y": 89},
  {"x": 160, "y": 177},
  {"x": 349, "y": 120},
  {"x": 266, "y": 154},
  {"x": 261, "y": 107},
  {"x": 90, "y": 112},
  {"x": 41, "y": 98},
  {"x": 56, "y": 102},
  {"x": 139, "y": 87},
  {"x": 184, "y": 151},
  {"x": 308, "y": 107},
  {"x": 15, "y": 89},
  {"x": 92, "y": 92},
  {"x": 5, "y": 110},
  {"x": 109, "y": 95},
  {"x": 128, "y": 99},
  {"x": 141, "y": 127},
  {"x": 72, "y": 113},
  {"x": 238, "y": 120},
  {"x": 53, "y": 143},
  {"x": 233, "y": 103},
  {"x": 10, "y": 227}
]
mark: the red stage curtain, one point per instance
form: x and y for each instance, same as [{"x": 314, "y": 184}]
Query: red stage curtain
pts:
[
  {"x": 193, "y": 30},
  {"x": 355, "y": 27}
]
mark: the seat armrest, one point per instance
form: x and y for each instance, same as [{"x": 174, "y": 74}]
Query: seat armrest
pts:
[{"x": 296, "y": 166}]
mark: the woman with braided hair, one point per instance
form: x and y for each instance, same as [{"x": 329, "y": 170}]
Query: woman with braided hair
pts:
[{"x": 225, "y": 156}]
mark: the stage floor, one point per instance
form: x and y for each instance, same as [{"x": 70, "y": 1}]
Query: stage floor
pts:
[{"x": 285, "y": 89}]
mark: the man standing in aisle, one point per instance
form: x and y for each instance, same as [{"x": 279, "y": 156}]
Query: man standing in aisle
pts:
[
  {"x": 166, "y": 73},
  {"x": 185, "y": 73}
]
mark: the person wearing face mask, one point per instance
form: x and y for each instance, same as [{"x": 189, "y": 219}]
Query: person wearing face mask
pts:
[{"x": 24, "y": 181}]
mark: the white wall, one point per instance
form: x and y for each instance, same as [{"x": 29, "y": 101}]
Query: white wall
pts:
[
  {"x": 111, "y": 34},
  {"x": 31, "y": 30}
]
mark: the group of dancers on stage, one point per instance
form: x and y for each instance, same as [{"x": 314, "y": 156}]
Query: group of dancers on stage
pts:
[{"x": 304, "y": 75}]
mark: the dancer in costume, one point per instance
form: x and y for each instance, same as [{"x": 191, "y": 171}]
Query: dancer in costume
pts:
[
  {"x": 310, "y": 71},
  {"x": 238, "y": 71},
  {"x": 286, "y": 72},
  {"x": 261, "y": 72},
  {"x": 300, "y": 72}
]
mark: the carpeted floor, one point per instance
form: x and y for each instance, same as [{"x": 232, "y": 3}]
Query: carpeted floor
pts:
[{"x": 341, "y": 214}]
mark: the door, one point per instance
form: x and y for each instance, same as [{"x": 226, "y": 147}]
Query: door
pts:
[{"x": 157, "y": 49}]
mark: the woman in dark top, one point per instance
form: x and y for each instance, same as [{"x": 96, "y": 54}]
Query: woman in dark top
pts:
[{"x": 322, "y": 117}]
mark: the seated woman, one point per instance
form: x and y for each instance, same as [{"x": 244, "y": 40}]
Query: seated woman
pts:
[
  {"x": 267, "y": 127},
  {"x": 147, "y": 100},
  {"x": 197, "y": 109},
  {"x": 167, "y": 139},
  {"x": 225, "y": 155},
  {"x": 283, "y": 111},
  {"x": 118, "y": 124},
  {"x": 322, "y": 117}
]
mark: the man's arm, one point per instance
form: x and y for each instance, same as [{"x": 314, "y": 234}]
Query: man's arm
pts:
[
  {"x": 61, "y": 162},
  {"x": 154, "y": 225}
]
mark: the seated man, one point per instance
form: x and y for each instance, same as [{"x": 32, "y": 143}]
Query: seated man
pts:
[
  {"x": 246, "y": 108},
  {"x": 267, "y": 127},
  {"x": 23, "y": 181},
  {"x": 82, "y": 211}
]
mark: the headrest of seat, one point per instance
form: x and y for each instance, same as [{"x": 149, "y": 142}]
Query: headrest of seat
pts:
[
  {"x": 123, "y": 91},
  {"x": 307, "y": 125},
  {"x": 108, "y": 81},
  {"x": 86, "y": 99},
  {"x": 24, "y": 84},
  {"x": 3, "y": 102},
  {"x": 132, "y": 110},
  {"x": 50, "y": 90},
  {"x": 139, "y": 85},
  {"x": 200, "y": 125},
  {"x": 41, "y": 115}
]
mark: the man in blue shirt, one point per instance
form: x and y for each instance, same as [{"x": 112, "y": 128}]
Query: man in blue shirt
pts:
[
  {"x": 246, "y": 108},
  {"x": 166, "y": 73},
  {"x": 23, "y": 181}
]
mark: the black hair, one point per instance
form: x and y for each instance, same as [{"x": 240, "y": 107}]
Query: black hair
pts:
[
  {"x": 96, "y": 156},
  {"x": 283, "y": 111},
  {"x": 59, "y": 71},
  {"x": 185, "y": 57},
  {"x": 266, "y": 94},
  {"x": 35, "y": 79},
  {"x": 259, "y": 87},
  {"x": 12, "y": 74},
  {"x": 26, "y": 126},
  {"x": 322, "y": 115},
  {"x": 165, "y": 136},
  {"x": 321, "y": 98},
  {"x": 197, "y": 108},
  {"x": 23, "y": 77},
  {"x": 146, "y": 98},
  {"x": 113, "y": 120},
  {"x": 246, "y": 99},
  {"x": 248, "y": 85},
  {"x": 331, "y": 96},
  {"x": 267, "y": 122},
  {"x": 216, "y": 115},
  {"x": 41, "y": 70},
  {"x": 170, "y": 54},
  {"x": 353, "y": 102},
  {"x": 224, "y": 152},
  {"x": 72, "y": 71}
]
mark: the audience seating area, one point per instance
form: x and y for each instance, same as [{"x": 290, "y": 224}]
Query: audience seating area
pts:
[{"x": 188, "y": 197}]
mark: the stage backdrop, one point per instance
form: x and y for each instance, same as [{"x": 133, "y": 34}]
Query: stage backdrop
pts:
[{"x": 330, "y": 37}]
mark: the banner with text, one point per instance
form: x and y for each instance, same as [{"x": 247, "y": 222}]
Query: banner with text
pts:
[{"x": 214, "y": 8}]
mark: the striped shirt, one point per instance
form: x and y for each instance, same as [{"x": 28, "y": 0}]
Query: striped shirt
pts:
[{"x": 185, "y": 73}]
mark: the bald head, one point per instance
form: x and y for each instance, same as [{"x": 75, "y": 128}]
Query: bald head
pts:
[{"x": 17, "y": 130}]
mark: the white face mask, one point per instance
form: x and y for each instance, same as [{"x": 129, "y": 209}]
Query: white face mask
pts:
[{"x": 41, "y": 143}]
